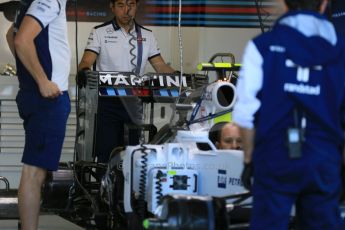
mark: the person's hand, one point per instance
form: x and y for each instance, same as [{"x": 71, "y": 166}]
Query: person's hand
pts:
[
  {"x": 246, "y": 176},
  {"x": 49, "y": 89},
  {"x": 81, "y": 77}
]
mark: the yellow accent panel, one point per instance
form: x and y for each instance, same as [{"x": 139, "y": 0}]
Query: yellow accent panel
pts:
[
  {"x": 226, "y": 117},
  {"x": 172, "y": 172},
  {"x": 201, "y": 66}
]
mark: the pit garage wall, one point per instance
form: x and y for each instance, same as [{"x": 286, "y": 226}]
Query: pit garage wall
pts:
[
  {"x": 199, "y": 44},
  {"x": 208, "y": 27}
]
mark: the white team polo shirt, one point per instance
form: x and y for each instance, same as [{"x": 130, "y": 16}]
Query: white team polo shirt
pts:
[
  {"x": 51, "y": 15},
  {"x": 112, "y": 45}
]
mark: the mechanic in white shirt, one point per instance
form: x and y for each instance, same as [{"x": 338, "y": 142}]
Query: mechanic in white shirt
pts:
[{"x": 119, "y": 45}]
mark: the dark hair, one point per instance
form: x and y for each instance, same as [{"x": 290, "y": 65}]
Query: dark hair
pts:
[
  {"x": 214, "y": 135},
  {"x": 216, "y": 131},
  {"x": 313, "y": 5}
]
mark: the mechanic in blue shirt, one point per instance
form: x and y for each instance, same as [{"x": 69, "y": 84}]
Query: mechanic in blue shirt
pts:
[
  {"x": 39, "y": 41},
  {"x": 291, "y": 99}
]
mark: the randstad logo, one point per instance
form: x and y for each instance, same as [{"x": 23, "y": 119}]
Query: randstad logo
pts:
[{"x": 303, "y": 74}]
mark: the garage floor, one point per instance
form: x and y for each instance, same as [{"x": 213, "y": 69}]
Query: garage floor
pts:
[{"x": 47, "y": 222}]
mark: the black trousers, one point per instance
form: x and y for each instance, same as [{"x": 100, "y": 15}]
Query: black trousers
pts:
[{"x": 112, "y": 117}]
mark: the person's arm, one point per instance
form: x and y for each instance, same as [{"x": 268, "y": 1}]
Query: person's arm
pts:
[
  {"x": 10, "y": 40},
  {"x": 92, "y": 49},
  {"x": 247, "y": 104},
  {"x": 26, "y": 51},
  {"x": 87, "y": 60},
  {"x": 160, "y": 66},
  {"x": 85, "y": 64},
  {"x": 248, "y": 144},
  {"x": 247, "y": 135}
]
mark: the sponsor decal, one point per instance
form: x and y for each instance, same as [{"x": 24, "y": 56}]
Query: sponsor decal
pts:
[
  {"x": 303, "y": 74},
  {"x": 221, "y": 178},
  {"x": 123, "y": 79}
]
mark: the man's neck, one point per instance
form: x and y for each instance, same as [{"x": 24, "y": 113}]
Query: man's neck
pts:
[{"x": 126, "y": 27}]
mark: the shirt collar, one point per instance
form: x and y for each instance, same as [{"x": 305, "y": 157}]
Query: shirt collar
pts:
[{"x": 117, "y": 27}]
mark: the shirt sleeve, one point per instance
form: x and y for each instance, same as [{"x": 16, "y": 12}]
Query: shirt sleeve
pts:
[
  {"x": 44, "y": 11},
  {"x": 154, "y": 49},
  {"x": 248, "y": 86},
  {"x": 93, "y": 42}
]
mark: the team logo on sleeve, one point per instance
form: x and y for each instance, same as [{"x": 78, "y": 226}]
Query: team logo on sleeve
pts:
[{"x": 42, "y": 6}]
